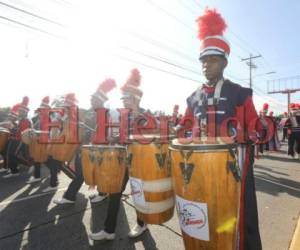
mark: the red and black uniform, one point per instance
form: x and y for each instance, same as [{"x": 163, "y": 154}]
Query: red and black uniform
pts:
[
  {"x": 233, "y": 101},
  {"x": 273, "y": 143},
  {"x": 293, "y": 125}
]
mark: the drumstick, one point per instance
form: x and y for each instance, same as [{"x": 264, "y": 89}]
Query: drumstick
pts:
[{"x": 83, "y": 125}]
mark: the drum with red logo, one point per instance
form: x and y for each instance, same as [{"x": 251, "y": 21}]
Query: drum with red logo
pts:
[
  {"x": 150, "y": 180},
  {"x": 206, "y": 180}
]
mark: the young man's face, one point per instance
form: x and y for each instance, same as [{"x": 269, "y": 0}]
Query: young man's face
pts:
[{"x": 213, "y": 67}]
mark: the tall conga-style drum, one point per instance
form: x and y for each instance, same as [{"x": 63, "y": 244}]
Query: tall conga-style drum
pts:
[
  {"x": 150, "y": 180},
  {"x": 4, "y": 135},
  {"x": 104, "y": 166},
  {"x": 63, "y": 152},
  {"x": 206, "y": 180},
  {"x": 38, "y": 151}
]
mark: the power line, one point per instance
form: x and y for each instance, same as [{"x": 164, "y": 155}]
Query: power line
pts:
[
  {"x": 158, "y": 69},
  {"x": 30, "y": 27},
  {"x": 162, "y": 45},
  {"x": 31, "y": 14},
  {"x": 161, "y": 59},
  {"x": 187, "y": 8},
  {"x": 169, "y": 14}
]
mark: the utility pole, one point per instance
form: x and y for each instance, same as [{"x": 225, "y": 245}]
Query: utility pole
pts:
[
  {"x": 288, "y": 86},
  {"x": 251, "y": 66}
]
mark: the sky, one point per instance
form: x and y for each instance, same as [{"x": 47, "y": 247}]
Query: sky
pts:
[{"x": 101, "y": 39}]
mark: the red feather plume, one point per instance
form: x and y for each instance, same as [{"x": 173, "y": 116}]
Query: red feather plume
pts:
[
  {"x": 107, "y": 85},
  {"x": 25, "y": 101},
  {"x": 265, "y": 106},
  {"x": 176, "y": 107},
  {"x": 211, "y": 23},
  {"x": 134, "y": 78},
  {"x": 46, "y": 100},
  {"x": 292, "y": 105},
  {"x": 70, "y": 98}
]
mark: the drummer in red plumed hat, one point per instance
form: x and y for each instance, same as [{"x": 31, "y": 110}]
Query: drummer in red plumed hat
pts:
[
  {"x": 45, "y": 103},
  {"x": 98, "y": 98},
  {"x": 18, "y": 152},
  {"x": 70, "y": 99},
  {"x": 101, "y": 95},
  {"x": 36, "y": 177},
  {"x": 265, "y": 109},
  {"x": 175, "y": 118},
  {"x": 131, "y": 96},
  {"x": 294, "y": 130},
  {"x": 131, "y": 93},
  {"x": 271, "y": 113},
  {"x": 224, "y": 99}
]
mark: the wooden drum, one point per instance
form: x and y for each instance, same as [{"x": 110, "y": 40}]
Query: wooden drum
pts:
[
  {"x": 206, "y": 180},
  {"x": 150, "y": 180},
  {"x": 63, "y": 152},
  {"x": 4, "y": 135},
  {"x": 104, "y": 166},
  {"x": 38, "y": 151}
]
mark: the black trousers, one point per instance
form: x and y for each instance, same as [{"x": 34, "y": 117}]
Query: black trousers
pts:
[
  {"x": 11, "y": 157},
  {"x": 252, "y": 239},
  {"x": 293, "y": 139},
  {"x": 54, "y": 167},
  {"x": 284, "y": 134},
  {"x": 113, "y": 209},
  {"x": 77, "y": 182},
  {"x": 37, "y": 170},
  {"x": 77, "y": 179}
]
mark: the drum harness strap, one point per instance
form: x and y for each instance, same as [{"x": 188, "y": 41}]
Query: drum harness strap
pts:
[
  {"x": 234, "y": 165},
  {"x": 204, "y": 102}
]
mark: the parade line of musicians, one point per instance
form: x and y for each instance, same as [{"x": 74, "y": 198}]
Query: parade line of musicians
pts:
[{"x": 223, "y": 94}]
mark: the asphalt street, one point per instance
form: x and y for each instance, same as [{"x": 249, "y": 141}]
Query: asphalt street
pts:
[{"x": 30, "y": 220}]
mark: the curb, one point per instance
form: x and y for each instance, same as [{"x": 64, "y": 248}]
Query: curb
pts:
[{"x": 295, "y": 244}]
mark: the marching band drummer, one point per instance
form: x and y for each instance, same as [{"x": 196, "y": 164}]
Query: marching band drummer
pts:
[
  {"x": 293, "y": 124},
  {"x": 54, "y": 165},
  {"x": 11, "y": 124},
  {"x": 36, "y": 125},
  {"x": 131, "y": 96},
  {"x": 16, "y": 147},
  {"x": 98, "y": 100},
  {"x": 227, "y": 99}
]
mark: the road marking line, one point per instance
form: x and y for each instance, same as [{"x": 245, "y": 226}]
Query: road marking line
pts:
[
  {"x": 30, "y": 197},
  {"x": 295, "y": 245},
  {"x": 279, "y": 184}
]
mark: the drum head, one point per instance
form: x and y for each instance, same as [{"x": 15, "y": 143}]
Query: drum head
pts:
[
  {"x": 93, "y": 146},
  {"x": 4, "y": 130},
  {"x": 39, "y": 132},
  {"x": 219, "y": 145},
  {"x": 154, "y": 137}
]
